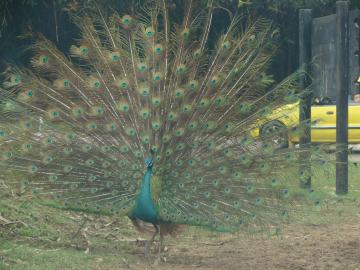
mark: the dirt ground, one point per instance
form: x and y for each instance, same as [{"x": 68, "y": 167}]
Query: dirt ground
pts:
[{"x": 310, "y": 247}]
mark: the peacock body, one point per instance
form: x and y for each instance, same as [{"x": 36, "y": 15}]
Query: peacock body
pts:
[{"x": 78, "y": 129}]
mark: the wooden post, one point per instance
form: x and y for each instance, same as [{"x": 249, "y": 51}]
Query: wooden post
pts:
[
  {"x": 305, "y": 20},
  {"x": 342, "y": 74}
]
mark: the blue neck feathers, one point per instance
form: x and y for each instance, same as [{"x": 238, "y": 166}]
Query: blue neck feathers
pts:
[{"x": 144, "y": 207}]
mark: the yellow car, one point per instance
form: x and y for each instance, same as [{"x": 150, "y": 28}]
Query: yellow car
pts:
[{"x": 323, "y": 128}]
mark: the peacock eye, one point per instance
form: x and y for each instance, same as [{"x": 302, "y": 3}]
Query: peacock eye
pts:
[
  {"x": 181, "y": 68},
  {"x": 185, "y": 33},
  {"x": 142, "y": 67},
  {"x": 226, "y": 45},
  {"x": 44, "y": 59},
  {"x": 149, "y": 32},
  {"x": 97, "y": 84},
  {"x": 115, "y": 58},
  {"x": 158, "y": 49},
  {"x": 124, "y": 85},
  {"x": 85, "y": 51},
  {"x": 127, "y": 20},
  {"x": 157, "y": 77},
  {"x": 197, "y": 53},
  {"x": 17, "y": 79}
]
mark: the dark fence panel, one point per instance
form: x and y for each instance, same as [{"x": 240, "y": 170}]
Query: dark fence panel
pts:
[{"x": 324, "y": 54}]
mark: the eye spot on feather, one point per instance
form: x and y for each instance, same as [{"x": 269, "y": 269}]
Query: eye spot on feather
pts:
[
  {"x": 156, "y": 101},
  {"x": 157, "y": 77},
  {"x": 245, "y": 107},
  {"x": 186, "y": 108},
  {"x": 179, "y": 162},
  {"x": 274, "y": 182},
  {"x": 206, "y": 163},
  {"x": 33, "y": 169},
  {"x": 126, "y": 20},
  {"x": 142, "y": 67},
  {"x": 47, "y": 160},
  {"x": 84, "y": 50},
  {"x": 149, "y": 32},
  {"x": 156, "y": 125},
  {"x": 236, "y": 204},
  {"x": 250, "y": 189},
  {"x": 86, "y": 147},
  {"x": 179, "y": 132},
  {"x": 67, "y": 151},
  {"x": 192, "y": 126},
  {"x": 226, "y": 46},
  {"x": 214, "y": 206},
  {"x": 144, "y": 113},
  {"x": 53, "y": 178},
  {"x": 192, "y": 162},
  {"x": 106, "y": 164},
  {"x": 168, "y": 152},
  {"x": 220, "y": 101},
  {"x": 158, "y": 49},
  {"x": 3, "y": 134},
  {"x": 180, "y": 146},
  {"x": 130, "y": 131},
  {"x": 180, "y": 69},
  {"x": 44, "y": 59},
  {"x": 194, "y": 145},
  {"x": 27, "y": 125},
  {"x": 185, "y": 33},
  {"x": 27, "y": 146},
  {"x": 78, "y": 111},
  {"x": 15, "y": 79},
  {"x": 179, "y": 93},
  {"x": 124, "y": 84},
  {"x": 91, "y": 126},
  {"x": 115, "y": 58},
  {"x": 166, "y": 138},
  {"x": 89, "y": 162},
  {"x": 204, "y": 102},
  {"x": 66, "y": 83},
  {"x": 285, "y": 193},
  {"x": 67, "y": 168},
  {"x": 197, "y": 53},
  {"x": 237, "y": 175},
  {"x": 193, "y": 85},
  {"x": 259, "y": 201},
  {"x": 207, "y": 194},
  {"x": 124, "y": 149},
  {"x": 216, "y": 183},
  {"x": 123, "y": 107},
  {"x": 214, "y": 81}
]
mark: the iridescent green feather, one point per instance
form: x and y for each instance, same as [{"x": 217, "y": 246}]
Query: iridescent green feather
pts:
[{"x": 148, "y": 86}]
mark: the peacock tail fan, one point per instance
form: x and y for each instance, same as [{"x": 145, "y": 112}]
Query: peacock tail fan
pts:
[{"x": 78, "y": 127}]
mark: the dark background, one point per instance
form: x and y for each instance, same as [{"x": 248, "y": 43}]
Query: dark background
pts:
[{"x": 21, "y": 17}]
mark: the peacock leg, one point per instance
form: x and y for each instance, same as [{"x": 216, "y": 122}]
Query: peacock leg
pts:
[
  {"x": 161, "y": 242},
  {"x": 148, "y": 244}
]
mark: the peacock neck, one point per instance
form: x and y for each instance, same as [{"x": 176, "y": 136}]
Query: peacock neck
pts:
[{"x": 144, "y": 207}]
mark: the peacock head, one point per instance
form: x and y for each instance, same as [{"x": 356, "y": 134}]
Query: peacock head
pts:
[{"x": 149, "y": 162}]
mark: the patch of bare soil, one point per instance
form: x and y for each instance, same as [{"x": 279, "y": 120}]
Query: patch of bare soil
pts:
[{"x": 299, "y": 247}]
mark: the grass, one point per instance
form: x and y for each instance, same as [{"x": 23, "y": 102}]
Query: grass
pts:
[{"x": 36, "y": 236}]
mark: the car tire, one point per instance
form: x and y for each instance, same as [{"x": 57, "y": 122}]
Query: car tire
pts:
[{"x": 280, "y": 139}]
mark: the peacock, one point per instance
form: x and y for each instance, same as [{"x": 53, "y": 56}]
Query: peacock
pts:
[{"x": 153, "y": 116}]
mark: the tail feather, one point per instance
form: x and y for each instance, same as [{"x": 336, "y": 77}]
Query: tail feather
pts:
[{"x": 143, "y": 85}]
